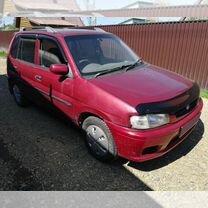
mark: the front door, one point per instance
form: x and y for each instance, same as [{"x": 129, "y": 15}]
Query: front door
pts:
[{"x": 50, "y": 52}]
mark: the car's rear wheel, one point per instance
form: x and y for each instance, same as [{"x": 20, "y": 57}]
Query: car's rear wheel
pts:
[
  {"x": 99, "y": 139},
  {"x": 19, "y": 98}
]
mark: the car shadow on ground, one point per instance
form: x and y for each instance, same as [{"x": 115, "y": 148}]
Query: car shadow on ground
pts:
[
  {"x": 180, "y": 151},
  {"x": 40, "y": 151}
]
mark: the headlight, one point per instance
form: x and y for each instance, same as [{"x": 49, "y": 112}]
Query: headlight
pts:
[{"x": 149, "y": 121}]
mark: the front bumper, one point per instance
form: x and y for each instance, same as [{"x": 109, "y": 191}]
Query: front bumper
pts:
[{"x": 138, "y": 145}]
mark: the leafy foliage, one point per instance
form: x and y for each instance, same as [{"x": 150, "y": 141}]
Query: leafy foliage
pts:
[
  {"x": 3, "y": 54},
  {"x": 204, "y": 94}
]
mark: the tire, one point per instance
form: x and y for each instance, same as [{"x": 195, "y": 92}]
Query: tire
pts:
[
  {"x": 99, "y": 139},
  {"x": 19, "y": 98}
]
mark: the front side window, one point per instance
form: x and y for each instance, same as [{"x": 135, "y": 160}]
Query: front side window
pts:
[
  {"x": 97, "y": 53},
  {"x": 26, "y": 50},
  {"x": 49, "y": 53}
]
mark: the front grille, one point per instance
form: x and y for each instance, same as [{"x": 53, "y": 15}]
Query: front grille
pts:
[{"x": 187, "y": 109}]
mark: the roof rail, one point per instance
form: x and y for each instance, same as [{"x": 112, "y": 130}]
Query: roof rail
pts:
[
  {"x": 85, "y": 28},
  {"x": 50, "y": 29},
  {"x": 99, "y": 29},
  {"x": 53, "y": 30},
  {"x": 44, "y": 28}
]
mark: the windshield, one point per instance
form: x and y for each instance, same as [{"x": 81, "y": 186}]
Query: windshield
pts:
[{"x": 94, "y": 54}]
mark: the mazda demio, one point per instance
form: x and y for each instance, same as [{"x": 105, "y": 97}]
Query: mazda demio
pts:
[{"x": 126, "y": 106}]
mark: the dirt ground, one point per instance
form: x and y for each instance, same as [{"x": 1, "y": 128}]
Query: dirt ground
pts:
[{"x": 40, "y": 151}]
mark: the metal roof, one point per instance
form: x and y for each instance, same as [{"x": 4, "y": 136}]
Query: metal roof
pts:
[
  {"x": 159, "y": 11},
  {"x": 140, "y": 4},
  {"x": 58, "y": 5},
  {"x": 28, "y": 8},
  {"x": 69, "y": 8}
]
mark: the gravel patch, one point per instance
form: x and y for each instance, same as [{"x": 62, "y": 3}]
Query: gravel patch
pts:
[
  {"x": 40, "y": 151},
  {"x": 184, "y": 169}
]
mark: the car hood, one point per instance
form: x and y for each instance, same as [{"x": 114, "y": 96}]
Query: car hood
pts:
[{"x": 145, "y": 84}]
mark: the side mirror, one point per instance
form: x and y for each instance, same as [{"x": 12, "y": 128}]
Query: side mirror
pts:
[{"x": 59, "y": 69}]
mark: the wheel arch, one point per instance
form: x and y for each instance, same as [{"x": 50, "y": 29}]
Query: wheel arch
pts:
[{"x": 84, "y": 115}]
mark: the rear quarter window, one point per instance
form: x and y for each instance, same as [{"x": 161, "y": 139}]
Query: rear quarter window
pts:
[{"x": 26, "y": 51}]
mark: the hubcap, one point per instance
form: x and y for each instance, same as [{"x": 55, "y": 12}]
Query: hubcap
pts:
[
  {"x": 17, "y": 93},
  {"x": 97, "y": 140}
]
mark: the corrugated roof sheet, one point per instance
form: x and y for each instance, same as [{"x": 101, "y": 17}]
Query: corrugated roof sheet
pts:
[
  {"x": 165, "y": 11},
  {"x": 69, "y": 8},
  {"x": 47, "y": 4}
]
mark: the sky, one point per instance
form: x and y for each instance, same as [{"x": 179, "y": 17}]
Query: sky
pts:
[{"x": 113, "y": 4}]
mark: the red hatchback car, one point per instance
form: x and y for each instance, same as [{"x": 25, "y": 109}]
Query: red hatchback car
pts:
[{"x": 127, "y": 107}]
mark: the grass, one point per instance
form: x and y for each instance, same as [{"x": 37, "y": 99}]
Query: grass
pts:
[
  {"x": 204, "y": 94},
  {"x": 3, "y": 54}
]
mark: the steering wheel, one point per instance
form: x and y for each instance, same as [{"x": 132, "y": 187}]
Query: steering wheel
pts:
[{"x": 84, "y": 62}]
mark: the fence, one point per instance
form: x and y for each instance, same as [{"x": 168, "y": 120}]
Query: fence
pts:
[
  {"x": 5, "y": 38},
  {"x": 181, "y": 47}
]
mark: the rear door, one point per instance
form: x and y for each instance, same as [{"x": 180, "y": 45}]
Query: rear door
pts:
[
  {"x": 29, "y": 69},
  {"x": 26, "y": 62}
]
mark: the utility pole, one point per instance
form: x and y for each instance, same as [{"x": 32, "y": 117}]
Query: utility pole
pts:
[
  {"x": 1, "y": 7},
  {"x": 90, "y": 5},
  {"x": 198, "y": 2}
]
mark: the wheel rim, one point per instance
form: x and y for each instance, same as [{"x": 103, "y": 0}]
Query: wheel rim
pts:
[
  {"x": 97, "y": 140},
  {"x": 17, "y": 93}
]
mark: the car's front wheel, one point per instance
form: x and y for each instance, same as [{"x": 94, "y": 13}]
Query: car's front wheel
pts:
[{"x": 99, "y": 139}]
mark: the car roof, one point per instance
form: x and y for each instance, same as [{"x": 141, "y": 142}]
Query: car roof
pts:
[{"x": 64, "y": 31}]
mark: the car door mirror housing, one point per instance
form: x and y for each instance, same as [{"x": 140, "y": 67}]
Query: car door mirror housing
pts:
[{"x": 59, "y": 69}]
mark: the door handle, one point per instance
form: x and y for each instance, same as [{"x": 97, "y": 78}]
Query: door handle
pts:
[{"x": 39, "y": 78}]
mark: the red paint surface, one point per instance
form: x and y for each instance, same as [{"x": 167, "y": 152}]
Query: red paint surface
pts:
[{"x": 114, "y": 98}]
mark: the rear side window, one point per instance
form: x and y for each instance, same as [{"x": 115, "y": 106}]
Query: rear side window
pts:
[
  {"x": 15, "y": 47},
  {"x": 50, "y": 53},
  {"x": 26, "y": 50}
]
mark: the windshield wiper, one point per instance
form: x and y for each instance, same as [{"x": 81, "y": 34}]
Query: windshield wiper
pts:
[
  {"x": 132, "y": 66},
  {"x": 110, "y": 70},
  {"x": 129, "y": 66}
]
